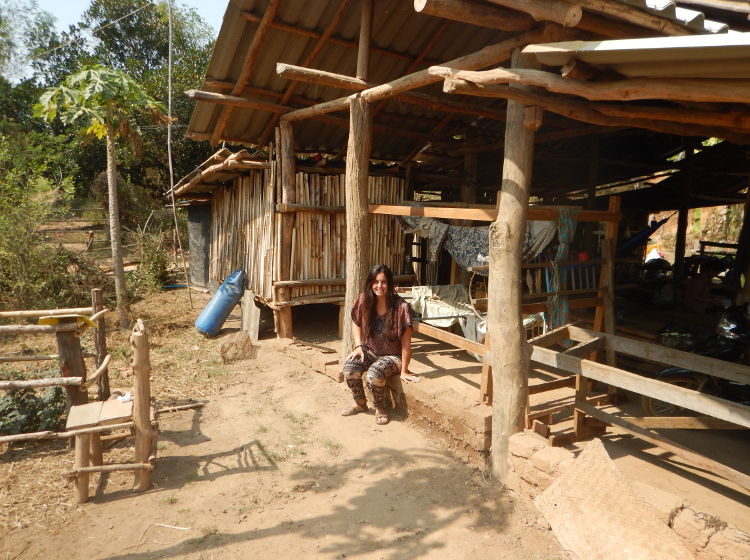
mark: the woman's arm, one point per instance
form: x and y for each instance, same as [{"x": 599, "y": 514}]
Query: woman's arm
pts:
[
  {"x": 406, "y": 350},
  {"x": 358, "y": 352}
]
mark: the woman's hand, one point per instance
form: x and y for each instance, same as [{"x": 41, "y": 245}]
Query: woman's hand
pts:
[{"x": 357, "y": 353}]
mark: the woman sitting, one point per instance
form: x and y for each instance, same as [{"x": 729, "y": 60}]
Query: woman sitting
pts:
[{"x": 382, "y": 330}]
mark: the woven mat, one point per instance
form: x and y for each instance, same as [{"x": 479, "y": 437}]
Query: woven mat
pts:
[{"x": 595, "y": 515}]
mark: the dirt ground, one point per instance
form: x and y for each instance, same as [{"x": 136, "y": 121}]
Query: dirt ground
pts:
[{"x": 267, "y": 469}]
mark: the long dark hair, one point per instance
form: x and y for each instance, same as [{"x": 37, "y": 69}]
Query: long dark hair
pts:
[{"x": 368, "y": 305}]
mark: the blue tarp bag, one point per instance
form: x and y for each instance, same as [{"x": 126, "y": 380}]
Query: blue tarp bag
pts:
[{"x": 212, "y": 318}]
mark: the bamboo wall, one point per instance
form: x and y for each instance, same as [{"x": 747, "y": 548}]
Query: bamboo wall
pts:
[{"x": 246, "y": 231}]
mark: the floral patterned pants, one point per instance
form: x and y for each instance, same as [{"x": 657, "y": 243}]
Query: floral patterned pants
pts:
[{"x": 377, "y": 368}]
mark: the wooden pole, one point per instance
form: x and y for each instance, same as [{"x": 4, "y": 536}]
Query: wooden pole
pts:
[
  {"x": 82, "y": 452},
  {"x": 682, "y": 223},
  {"x": 509, "y": 353},
  {"x": 556, "y": 11},
  {"x": 71, "y": 361},
  {"x": 365, "y": 33},
  {"x": 357, "y": 215},
  {"x": 476, "y": 14},
  {"x": 701, "y": 90},
  {"x": 434, "y": 103},
  {"x": 144, "y": 434},
  {"x": 288, "y": 196},
  {"x": 100, "y": 344},
  {"x": 492, "y": 54}
]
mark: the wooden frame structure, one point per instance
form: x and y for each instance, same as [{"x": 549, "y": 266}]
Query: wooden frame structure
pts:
[
  {"x": 558, "y": 20},
  {"x": 575, "y": 361}
]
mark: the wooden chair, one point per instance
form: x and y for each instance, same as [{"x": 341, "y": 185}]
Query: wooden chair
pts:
[{"x": 89, "y": 420}]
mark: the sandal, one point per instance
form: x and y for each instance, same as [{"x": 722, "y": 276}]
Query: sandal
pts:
[
  {"x": 354, "y": 409},
  {"x": 381, "y": 418}
]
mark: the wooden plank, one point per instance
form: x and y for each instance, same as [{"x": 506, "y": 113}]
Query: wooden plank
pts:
[
  {"x": 676, "y": 358},
  {"x": 46, "y": 312},
  {"x": 682, "y": 423},
  {"x": 583, "y": 349},
  {"x": 450, "y": 338},
  {"x": 84, "y": 416},
  {"x": 485, "y": 382},
  {"x": 552, "y": 385},
  {"x": 686, "y": 398},
  {"x": 580, "y": 303},
  {"x": 555, "y": 336},
  {"x": 38, "y": 329},
  {"x": 544, "y": 213},
  {"x": 660, "y": 441}
]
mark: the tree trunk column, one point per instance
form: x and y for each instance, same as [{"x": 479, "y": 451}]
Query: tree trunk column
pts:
[
  {"x": 288, "y": 196},
  {"x": 357, "y": 213},
  {"x": 509, "y": 353},
  {"x": 118, "y": 269}
]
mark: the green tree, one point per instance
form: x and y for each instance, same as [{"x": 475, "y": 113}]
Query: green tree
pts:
[{"x": 104, "y": 103}]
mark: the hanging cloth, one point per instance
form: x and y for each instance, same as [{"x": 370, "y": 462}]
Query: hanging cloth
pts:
[{"x": 557, "y": 304}]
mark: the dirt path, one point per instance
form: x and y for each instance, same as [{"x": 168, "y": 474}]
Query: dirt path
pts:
[{"x": 269, "y": 469}]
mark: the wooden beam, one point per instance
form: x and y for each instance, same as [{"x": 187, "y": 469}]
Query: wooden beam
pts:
[
  {"x": 686, "y": 398},
  {"x": 672, "y": 89},
  {"x": 365, "y": 35},
  {"x": 334, "y": 40},
  {"x": 254, "y": 103},
  {"x": 675, "y": 358},
  {"x": 247, "y": 67},
  {"x": 313, "y": 76},
  {"x": 634, "y": 15},
  {"x": 492, "y": 54},
  {"x": 357, "y": 218},
  {"x": 475, "y": 14},
  {"x": 487, "y": 214},
  {"x": 681, "y": 423},
  {"x": 545, "y": 10},
  {"x": 589, "y": 112},
  {"x": 508, "y": 355},
  {"x": 45, "y": 312},
  {"x": 692, "y": 457},
  {"x": 319, "y": 44},
  {"x": 449, "y": 338}
]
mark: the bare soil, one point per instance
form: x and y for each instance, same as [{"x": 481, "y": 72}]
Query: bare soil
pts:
[{"x": 267, "y": 469}]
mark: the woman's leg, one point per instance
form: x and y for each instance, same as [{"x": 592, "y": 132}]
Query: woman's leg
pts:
[
  {"x": 353, "y": 370},
  {"x": 377, "y": 377}
]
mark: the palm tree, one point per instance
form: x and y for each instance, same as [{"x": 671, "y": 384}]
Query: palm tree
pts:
[{"x": 103, "y": 103}]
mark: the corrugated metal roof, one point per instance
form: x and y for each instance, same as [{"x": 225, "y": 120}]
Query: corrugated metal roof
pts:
[{"x": 400, "y": 35}]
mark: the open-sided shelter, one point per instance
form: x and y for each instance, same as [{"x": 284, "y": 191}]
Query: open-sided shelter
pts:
[{"x": 565, "y": 117}]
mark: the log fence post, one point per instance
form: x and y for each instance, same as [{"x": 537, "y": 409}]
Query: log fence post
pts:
[
  {"x": 100, "y": 342},
  {"x": 71, "y": 362},
  {"x": 144, "y": 433}
]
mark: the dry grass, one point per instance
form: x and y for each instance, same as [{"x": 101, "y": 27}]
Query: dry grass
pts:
[{"x": 185, "y": 367}]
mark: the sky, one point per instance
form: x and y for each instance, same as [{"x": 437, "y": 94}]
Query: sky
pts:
[{"x": 69, "y": 12}]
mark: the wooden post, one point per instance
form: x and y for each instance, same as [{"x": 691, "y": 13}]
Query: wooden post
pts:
[
  {"x": 357, "y": 215},
  {"x": 509, "y": 353},
  {"x": 365, "y": 33},
  {"x": 682, "y": 225},
  {"x": 250, "y": 315},
  {"x": 71, "y": 362},
  {"x": 593, "y": 180},
  {"x": 100, "y": 344},
  {"x": 82, "y": 460},
  {"x": 288, "y": 196},
  {"x": 141, "y": 403}
]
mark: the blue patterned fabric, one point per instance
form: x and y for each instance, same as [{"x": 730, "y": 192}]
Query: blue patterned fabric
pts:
[{"x": 467, "y": 244}]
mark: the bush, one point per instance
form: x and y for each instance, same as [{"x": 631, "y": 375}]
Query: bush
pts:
[
  {"x": 153, "y": 270},
  {"x": 29, "y": 410}
]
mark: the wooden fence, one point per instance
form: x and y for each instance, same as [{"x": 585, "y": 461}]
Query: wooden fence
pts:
[{"x": 70, "y": 355}]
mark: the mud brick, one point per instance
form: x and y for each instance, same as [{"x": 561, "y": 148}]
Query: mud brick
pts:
[
  {"x": 526, "y": 444},
  {"x": 533, "y": 476},
  {"x": 548, "y": 459}
]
